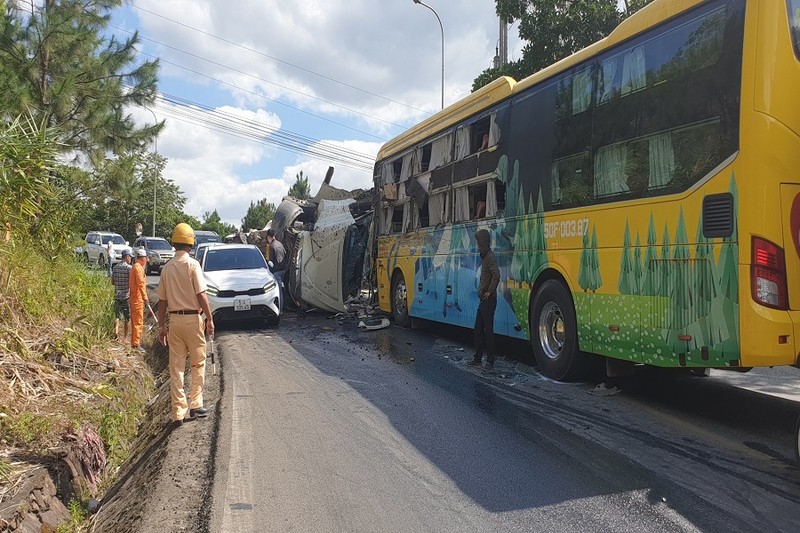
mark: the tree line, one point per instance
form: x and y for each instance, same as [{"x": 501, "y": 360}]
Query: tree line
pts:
[{"x": 72, "y": 157}]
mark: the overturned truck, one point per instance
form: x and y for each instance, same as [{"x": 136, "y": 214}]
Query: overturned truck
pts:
[{"x": 326, "y": 238}]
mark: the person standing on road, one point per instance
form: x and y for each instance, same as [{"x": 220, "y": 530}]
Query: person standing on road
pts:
[
  {"x": 277, "y": 254},
  {"x": 182, "y": 294},
  {"x": 138, "y": 298},
  {"x": 487, "y": 293},
  {"x": 110, "y": 250},
  {"x": 120, "y": 278}
]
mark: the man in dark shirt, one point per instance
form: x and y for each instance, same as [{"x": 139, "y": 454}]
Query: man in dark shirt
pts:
[
  {"x": 119, "y": 278},
  {"x": 487, "y": 293},
  {"x": 277, "y": 254}
]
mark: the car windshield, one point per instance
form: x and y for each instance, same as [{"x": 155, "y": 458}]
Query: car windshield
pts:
[
  {"x": 116, "y": 239},
  {"x": 206, "y": 238},
  {"x": 233, "y": 259},
  {"x": 158, "y": 244}
]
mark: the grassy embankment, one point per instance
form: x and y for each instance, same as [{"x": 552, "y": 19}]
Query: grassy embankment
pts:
[{"x": 60, "y": 371}]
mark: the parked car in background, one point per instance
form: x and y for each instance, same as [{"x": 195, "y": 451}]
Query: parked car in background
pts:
[
  {"x": 95, "y": 251},
  {"x": 159, "y": 251},
  {"x": 240, "y": 284},
  {"x": 201, "y": 249},
  {"x": 202, "y": 236}
]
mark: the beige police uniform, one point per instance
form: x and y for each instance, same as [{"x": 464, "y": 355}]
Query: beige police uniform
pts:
[{"x": 181, "y": 281}]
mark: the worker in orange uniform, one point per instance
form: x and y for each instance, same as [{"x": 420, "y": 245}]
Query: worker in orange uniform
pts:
[
  {"x": 137, "y": 281},
  {"x": 182, "y": 294}
]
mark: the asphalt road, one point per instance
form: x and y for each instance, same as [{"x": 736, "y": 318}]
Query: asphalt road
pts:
[{"x": 325, "y": 428}]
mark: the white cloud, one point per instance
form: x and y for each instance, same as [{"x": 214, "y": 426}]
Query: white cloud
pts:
[{"x": 387, "y": 48}]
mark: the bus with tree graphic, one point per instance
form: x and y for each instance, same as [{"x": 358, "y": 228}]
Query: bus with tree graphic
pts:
[{"x": 643, "y": 197}]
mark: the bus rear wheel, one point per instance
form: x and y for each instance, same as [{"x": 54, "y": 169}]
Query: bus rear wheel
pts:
[
  {"x": 554, "y": 333},
  {"x": 400, "y": 300}
]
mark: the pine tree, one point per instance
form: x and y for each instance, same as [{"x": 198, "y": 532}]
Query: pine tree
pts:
[
  {"x": 681, "y": 301},
  {"x": 626, "y": 283},
  {"x": 637, "y": 266},
  {"x": 301, "y": 189},
  {"x": 597, "y": 278},
  {"x": 585, "y": 266},
  {"x": 71, "y": 72},
  {"x": 651, "y": 265}
]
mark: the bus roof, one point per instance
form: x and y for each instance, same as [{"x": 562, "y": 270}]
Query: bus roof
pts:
[
  {"x": 486, "y": 96},
  {"x": 502, "y": 88}
]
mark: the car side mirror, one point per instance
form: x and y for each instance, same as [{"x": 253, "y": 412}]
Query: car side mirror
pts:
[
  {"x": 126, "y": 243},
  {"x": 271, "y": 264},
  {"x": 97, "y": 243}
]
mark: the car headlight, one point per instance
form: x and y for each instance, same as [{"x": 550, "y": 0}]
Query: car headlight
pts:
[
  {"x": 212, "y": 291},
  {"x": 269, "y": 286}
]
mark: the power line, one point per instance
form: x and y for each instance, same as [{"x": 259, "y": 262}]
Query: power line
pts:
[
  {"x": 259, "y": 95},
  {"x": 262, "y": 79},
  {"x": 226, "y": 123},
  {"x": 263, "y": 54}
]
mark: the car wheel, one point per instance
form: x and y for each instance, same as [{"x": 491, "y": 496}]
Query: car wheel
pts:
[
  {"x": 554, "y": 333},
  {"x": 400, "y": 300},
  {"x": 273, "y": 321},
  {"x": 86, "y": 258},
  {"x": 101, "y": 261}
]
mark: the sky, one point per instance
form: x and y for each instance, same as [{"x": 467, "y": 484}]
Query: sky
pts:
[{"x": 349, "y": 74}]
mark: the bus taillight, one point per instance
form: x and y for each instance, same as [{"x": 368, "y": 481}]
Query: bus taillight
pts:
[{"x": 768, "y": 278}]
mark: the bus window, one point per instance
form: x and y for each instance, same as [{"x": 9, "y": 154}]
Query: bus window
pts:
[
  {"x": 570, "y": 183},
  {"x": 437, "y": 208},
  {"x": 574, "y": 94},
  {"x": 422, "y": 216},
  {"x": 398, "y": 218}
]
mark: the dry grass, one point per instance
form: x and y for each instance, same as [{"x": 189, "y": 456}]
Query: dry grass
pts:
[{"x": 59, "y": 370}]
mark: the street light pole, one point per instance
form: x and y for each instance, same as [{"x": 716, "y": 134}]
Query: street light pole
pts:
[
  {"x": 155, "y": 176},
  {"x": 441, "y": 27}
]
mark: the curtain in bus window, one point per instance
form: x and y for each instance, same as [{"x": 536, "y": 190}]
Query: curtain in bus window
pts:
[
  {"x": 436, "y": 205},
  {"x": 462, "y": 143},
  {"x": 605, "y": 87},
  {"x": 462, "y": 203},
  {"x": 388, "y": 214},
  {"x": 406, "y": 217},
  {"x": 414, "y": 216},
  {"x": 440, "y": 152},
  {"x": 401, "y": 190},
  {"x": 634, "y": 72},
  {"x": 416, "y": 167},
  {"x": 491, "y": 199},
  {"x": 555, "y": 185},
  {"x": 390, "y": 191},
  {"x": 405, "y": 171},
  {"x": 494, "y": 130},
  {"x": 387, "y": 174},
  {"x": 609, "y": 170},
  {"x": 581, "y": 91},
  {"x": 662, "y": 160}
]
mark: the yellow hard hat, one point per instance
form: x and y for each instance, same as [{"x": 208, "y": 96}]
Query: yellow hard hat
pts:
[{"x": 183, "y": 234}]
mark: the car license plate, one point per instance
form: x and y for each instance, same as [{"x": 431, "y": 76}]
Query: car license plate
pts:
[{"x": 241, "y": 304}]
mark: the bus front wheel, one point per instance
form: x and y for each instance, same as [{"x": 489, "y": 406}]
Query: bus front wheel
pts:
[
  {"x": 554, "y": 333},
  {"x": 400, "y": 300}
]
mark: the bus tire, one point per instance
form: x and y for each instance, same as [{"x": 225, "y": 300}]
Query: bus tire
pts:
[
  {"x": 400, "y": 300},
  {"x": 554, "y": 333}
]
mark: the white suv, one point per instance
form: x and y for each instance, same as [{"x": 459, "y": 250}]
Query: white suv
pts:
[
  {"x": 95, "y": 251},
  {"x": 159, "y": 251}
]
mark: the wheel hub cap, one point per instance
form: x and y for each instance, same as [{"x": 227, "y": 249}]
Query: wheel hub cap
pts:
[{"x": 551, "y": 330}]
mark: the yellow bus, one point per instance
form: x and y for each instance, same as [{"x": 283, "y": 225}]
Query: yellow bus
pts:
[{"x": 643, "y": 196}]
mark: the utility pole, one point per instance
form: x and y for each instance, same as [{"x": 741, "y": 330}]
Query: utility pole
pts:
[{"x": 503, "y": 52}]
